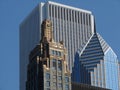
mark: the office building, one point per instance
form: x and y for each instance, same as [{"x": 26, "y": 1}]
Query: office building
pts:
[
  {"x": 71, "y": 25},
  {"x": 47, "y": 68},
  {"x": 98, "y": 65}
]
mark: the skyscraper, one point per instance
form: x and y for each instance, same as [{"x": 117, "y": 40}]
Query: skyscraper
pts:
[
  {"x": 47, "y": 68},
  {"x": 98, "y": 64},
  {"x": 72, "y": 25}
]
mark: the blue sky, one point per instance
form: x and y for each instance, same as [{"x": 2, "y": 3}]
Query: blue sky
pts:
[{"x": 12, "y": 12}]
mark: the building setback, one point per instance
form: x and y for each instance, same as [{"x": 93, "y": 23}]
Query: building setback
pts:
[{"x": 47, "y": 68}]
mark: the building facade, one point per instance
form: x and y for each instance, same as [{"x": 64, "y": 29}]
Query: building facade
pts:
[
  {"x": 47, "y": 68},
  {"x": 71, "y": 25},
  {"x": 98, "y": 65}
]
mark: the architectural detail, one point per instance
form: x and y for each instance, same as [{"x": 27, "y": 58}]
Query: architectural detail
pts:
[
  {"x": 47, "y": 68},
  {"x": 98, "y": 65}
]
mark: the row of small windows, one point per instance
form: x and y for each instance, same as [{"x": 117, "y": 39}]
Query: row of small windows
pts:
[
  {"x": 92, "y": 52},
  {"x": 55, "y": 77},
  {"x": 91, "y": 56},
  {"x": 68, "y": 14},
  {"x": 55, "y": 53},
  {"x": 59, "y": 84}
]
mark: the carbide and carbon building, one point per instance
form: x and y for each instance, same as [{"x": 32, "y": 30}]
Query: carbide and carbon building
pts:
[
  {"x": 47, "y": 68},
  {"x": 76, "y": 28}
]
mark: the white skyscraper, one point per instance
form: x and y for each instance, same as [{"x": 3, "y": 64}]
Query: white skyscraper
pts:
[{"x": 71, "y": 25}]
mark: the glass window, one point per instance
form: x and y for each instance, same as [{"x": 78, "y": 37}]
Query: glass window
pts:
[
  {"x": 60, "y": 85},
  {"x": 59, "y": 78},
  {"x": 52, "y": 52},
  {"x": 56, "y": 53},
  {"x": 54, "y": 63},
  {"x": 66, "y": 87},
  {"x": 47, "y": 76},
  {"x": 59, "y": 65},
  {"x": 66, "y": 79},
  {"x": 59, "y": 53},
  {"x": 48, "y": 84}
]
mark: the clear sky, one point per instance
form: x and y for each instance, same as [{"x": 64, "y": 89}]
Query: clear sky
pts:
[{"x": 12, "y": 12}]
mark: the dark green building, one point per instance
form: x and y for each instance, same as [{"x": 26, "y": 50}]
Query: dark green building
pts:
[{"x": 47, "y": 68}]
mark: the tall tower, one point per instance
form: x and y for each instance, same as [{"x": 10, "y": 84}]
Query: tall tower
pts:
[
  {"x": 97, "y": 65},
  {"x": 47, "y": 68}
]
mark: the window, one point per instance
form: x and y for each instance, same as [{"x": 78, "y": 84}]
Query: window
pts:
[
  {"x": 47, "y": 76},
  {"x": 54, "y": 63},
  {"x": 59, "y": 53},
  {"x": 59, "y": 85},
  {"x": 56, "y": 53},
  {"x": 47, "y": 84},
  {"x": 60, "y": 78},
  {"x": 52, "y": 52},
  {"x": 66, "y": 87},
  {"x": 66, "y": 79},
  {"x": 59, "y": 65}
]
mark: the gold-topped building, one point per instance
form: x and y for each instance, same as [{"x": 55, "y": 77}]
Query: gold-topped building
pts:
[{"x": 48, "y": 68}]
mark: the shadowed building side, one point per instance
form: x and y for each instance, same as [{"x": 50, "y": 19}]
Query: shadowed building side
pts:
[{"x": 47, "y": 68}]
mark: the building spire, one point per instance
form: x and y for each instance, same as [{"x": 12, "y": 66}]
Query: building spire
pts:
[{"x": 47, "y": 33}]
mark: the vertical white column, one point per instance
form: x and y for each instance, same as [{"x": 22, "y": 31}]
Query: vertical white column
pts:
[
  {"x": 80, "y": 34},
  {"x": 98, "y": 74},
  {"x": 57, "y": 26},
  {"x": 77, "y": 31},
  {"x": 92, "y": 79},
  {"x": 54, "y": 25},
  {"x": 60, "y": 20},
  {"x": 92, "y": 24},
  {"x": 63, "y": 24},
  {"x": 65, "y": 29},
  {"x": 69, "y": 51},
  {"x": 84, "y": 25},
  {"x": 74, "y": 33},
  {"x": 73, "y": 19},
  {"x": 95, "y": 77},
  {"x": 88, "y": 26},
  {"x": 71, "y": 41}
]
